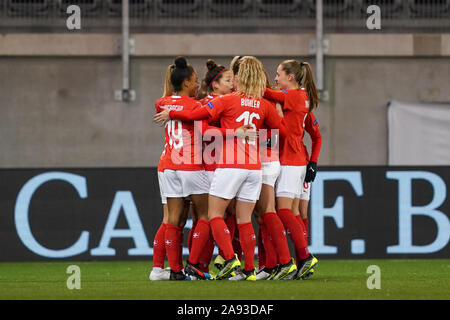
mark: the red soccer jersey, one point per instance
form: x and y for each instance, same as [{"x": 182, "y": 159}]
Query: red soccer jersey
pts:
[
  {"x": 295, "y": 109},
  {"x": 208, "y": 157},
  {"x": 182, "y": 149},
  {"x": 269, "y": 146},
  {"x": 208, "y": 98},
  {"x": 161, "y": 163},
  {"x": 235, "y": 110}
]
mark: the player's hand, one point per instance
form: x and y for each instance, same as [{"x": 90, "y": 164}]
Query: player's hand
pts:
[
  {"x": 311, "y": 171},
  {"x": 247, "y": 132},
  {"x": 162, "y": 117}
]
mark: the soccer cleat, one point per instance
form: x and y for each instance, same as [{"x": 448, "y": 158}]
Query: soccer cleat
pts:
[
  {"x": 219, "y": 262},
  {"x": 276, "y": 269},
  {"x": 305, "y": 266},
  {"x": 244, "y": 275},
  {"x": 287, "y": 271},
  {"x": 263, "y": 274},
  {"x": 311, "y": 272},
  {"x": 159, "y": 274},
  {"x": 178, "y": 276},
  {"x": 194, "y": 271},
  {"x": 228, "y": 267},
  {"x": 266, "y": 273},
  {"x": 308, "y": 275}
]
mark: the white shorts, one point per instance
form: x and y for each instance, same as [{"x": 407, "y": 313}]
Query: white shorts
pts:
[
  {"x": 290, "y": 182},
  {"x": 243, "y": 184},
  {"x": 180, "y": 184},
  {"x": 306, "y": 191},
  {"x": 210, "y": 176},
  {"x": 161, "y": 187},
  {"x": 270, "y": 172}
]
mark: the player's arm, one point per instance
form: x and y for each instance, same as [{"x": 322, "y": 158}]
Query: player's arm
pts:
[
  {"x": 183, "y": 115},
  {"x": 274, "y": 121},
  {"x": 312, "y": 127},
  {"x": 158, "y": 105},
  {"x": 190, "y": 115},
  {"x": 274, "y": 95}
]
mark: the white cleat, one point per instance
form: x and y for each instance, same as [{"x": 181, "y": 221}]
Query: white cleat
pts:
[
  {"x": 262, "y": 275},
  {"x": 159, "y": 274},
  {"x": 241, "y": 275},
  {"x": 238, "y": 276}
]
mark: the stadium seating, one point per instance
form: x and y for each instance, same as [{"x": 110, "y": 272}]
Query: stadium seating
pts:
[
  {"x": 279, "y": 8},
  {"x": 89, "y": 8},
  {"x": 429, "y": 8},
  {"x": 137, "y": 8},
  {"x": 389, "y": 8},
  {"x": 178, "y": 8},
  {"x": 28, "y": 9},
  {"x": 225, "y": 15},
  {"x": 228, "y": 8},
  {"x": 332, "y": 8}
]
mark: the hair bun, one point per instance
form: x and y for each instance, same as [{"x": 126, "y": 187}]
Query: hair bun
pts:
[
  {"x": 211, "y": 64},
  {"x": 181, "y": 63}
]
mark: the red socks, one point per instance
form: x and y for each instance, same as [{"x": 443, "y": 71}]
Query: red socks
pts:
[
  {"x": 271, "y": 252},
  {"x": 206, "y": 255},
  {"x": 237, "y": 244},
  {"x": 173, "y": 236},
  {"x": 295, "y": 231},
  {"x": 191, "y": 233},
  {"x": 305, "y": 227},
  {"x": 261, "y": 250},
  {"x": 200, "y": 237},
  {"x": 230, "y": 221},
  {"x": 305, "y": 224},
  {"x": 277, "y": 233},
  {"x": 222, "y": 237},
  {"x": 159, "y": 247},
  {"x": 248, "y": 241}
]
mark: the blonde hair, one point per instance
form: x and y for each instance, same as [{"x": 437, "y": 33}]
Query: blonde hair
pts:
[
  {"x": 303, "y": 75},
  {"x": 168, "y": 88},
  {"x": 268, "y": 83},
  {"x": 252, "y": 79}
]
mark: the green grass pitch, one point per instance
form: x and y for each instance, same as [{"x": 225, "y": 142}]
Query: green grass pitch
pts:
[{"x": 334, "y": 279}]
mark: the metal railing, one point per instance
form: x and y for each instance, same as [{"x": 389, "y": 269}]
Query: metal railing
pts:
[{"x": 225, "y": 15}]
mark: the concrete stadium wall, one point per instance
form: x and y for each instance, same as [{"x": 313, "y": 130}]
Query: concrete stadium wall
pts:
[{"x": 58, "y": 108}]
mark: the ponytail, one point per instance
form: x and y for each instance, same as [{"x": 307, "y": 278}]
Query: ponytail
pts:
[
  {"x": 168, "y": 89},
  {"x": 310, "y": 86}
]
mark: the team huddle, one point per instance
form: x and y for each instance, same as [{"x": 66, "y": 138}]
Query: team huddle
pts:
[{"x": 233, "y": 150}]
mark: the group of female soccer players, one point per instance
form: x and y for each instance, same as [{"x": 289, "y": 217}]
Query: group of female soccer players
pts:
[{"x": 234, "y": 149}]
